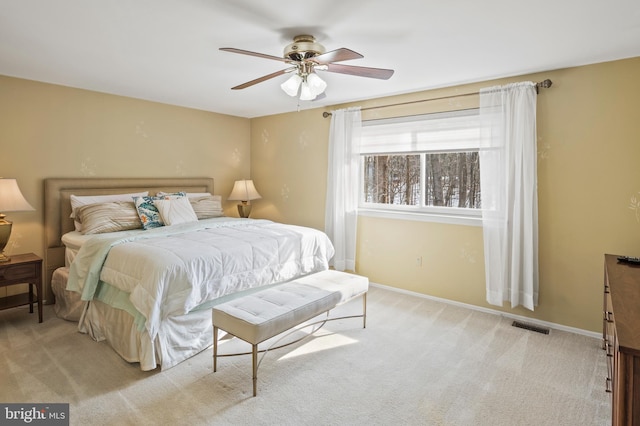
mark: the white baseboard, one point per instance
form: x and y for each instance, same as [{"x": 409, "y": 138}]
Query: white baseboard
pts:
[{"x": 532, "y": 321}]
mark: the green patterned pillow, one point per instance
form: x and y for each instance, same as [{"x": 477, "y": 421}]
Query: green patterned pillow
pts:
[{"x": 148, "y": 212}]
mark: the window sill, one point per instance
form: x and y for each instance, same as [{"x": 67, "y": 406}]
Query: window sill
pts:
[{"x": 469, "y": 220}]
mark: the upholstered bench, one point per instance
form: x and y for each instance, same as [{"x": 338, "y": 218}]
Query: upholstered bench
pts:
[{"x": 260, "y": 316}]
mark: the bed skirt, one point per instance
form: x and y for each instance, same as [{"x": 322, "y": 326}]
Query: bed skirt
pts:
[
  {"x": 180, "y": 337},
  {"x": 68, "y": 305}
]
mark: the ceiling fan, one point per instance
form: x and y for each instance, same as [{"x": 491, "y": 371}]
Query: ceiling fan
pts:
[{"x": 306, "y": 56}]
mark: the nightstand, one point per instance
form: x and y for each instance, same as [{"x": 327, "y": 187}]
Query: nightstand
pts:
[{"x": 22, "y": 269}]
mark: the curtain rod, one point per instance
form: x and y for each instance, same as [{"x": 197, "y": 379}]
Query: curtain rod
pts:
[{"x": 544, "y": 84}]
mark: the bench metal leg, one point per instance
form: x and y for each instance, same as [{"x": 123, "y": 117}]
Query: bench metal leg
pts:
[
  {"x": 254, "y": 355},
  {"x": 364, "y": 310},
  {"x": 215, "y": 348}
]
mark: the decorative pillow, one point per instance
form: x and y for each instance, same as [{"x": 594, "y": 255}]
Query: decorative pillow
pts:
[
  {"x": 108, "y": 217},
  {"x": 207, "y": 207},
  {"x": 148, "y": 212},
  {"x": 175, "y": 211},
  {"x": 188, "y": 194},
  {"x": 83, "y": 200}
]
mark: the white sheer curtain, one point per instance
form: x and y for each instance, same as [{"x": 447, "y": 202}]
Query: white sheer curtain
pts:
[
  {"x": 508, "y": 182},
  {"x": 341, "y": 216}
]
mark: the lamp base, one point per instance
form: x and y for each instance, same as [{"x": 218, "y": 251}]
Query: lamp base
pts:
[
  {"x": 244, "y": 210},
  {"x": 5, "y": 233}
]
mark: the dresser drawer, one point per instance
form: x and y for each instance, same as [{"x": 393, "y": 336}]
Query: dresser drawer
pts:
[{"x": 17, "y": 272}]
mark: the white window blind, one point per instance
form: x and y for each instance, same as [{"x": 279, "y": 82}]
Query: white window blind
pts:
[{"x": 447, "y": 131}]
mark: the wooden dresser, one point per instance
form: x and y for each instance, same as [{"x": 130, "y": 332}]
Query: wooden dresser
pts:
[{"x": 621, "y": 339}]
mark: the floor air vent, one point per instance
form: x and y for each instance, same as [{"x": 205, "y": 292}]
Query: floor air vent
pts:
[{"x": 531, "y": 327}]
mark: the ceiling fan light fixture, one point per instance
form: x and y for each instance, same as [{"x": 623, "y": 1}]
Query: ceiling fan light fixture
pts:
[
  {"x": 292, "y": 85},
  {"x": 306, "y": 92},
  {"x": 316, "y": 84}
]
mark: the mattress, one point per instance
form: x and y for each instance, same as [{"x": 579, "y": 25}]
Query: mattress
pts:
[{"x": 73, "y": 240}]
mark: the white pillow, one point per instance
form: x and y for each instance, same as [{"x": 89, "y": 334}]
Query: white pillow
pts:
[
  {"x": 83, "y": 200},
  {"x": 175, "y": 211}
]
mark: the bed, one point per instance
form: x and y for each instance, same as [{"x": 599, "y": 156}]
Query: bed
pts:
[{"x": 149, "y": 292}]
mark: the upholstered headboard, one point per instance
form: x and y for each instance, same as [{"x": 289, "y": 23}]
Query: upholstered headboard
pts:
[{"x": 57, "y": 207}]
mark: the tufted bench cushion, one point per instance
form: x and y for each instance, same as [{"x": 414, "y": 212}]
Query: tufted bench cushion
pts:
[{"x": 260, "y": 316}]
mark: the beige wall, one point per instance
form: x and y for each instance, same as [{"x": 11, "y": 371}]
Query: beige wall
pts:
[
  {"x": 54, "y": 131},
  {"x": 588, "y": 179},
  {"x": 290, "y": 169}
]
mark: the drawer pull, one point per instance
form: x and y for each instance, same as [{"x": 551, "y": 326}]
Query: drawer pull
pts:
[{"x": 607, "y": 386}]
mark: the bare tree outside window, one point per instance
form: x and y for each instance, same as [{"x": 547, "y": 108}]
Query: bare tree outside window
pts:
[
  {"x": 392, "y": 179},
  {"x": 451, "y": 179}
]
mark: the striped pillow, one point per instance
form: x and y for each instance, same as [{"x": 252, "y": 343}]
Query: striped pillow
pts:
[
  {"x": 207, "y": 207},
  {"x": 83, "y": 200},
  {"x": 112, "y": 216},
  {"x": 175, "y": 211}
]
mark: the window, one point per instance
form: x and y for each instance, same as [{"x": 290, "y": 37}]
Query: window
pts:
[{"x": 424, "y": 165}]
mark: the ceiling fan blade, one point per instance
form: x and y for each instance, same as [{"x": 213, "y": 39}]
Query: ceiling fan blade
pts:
[
  {"x": 246, "y": 52},
  {"x": 342, "y": 54},
  {"x": 260, "y": 80},
  {"x": 381, "y": 73}
]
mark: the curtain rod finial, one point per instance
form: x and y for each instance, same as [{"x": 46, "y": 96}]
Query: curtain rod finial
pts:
[
  {"x": 545, "y": 84},
  {"x": 326, "y": 114}
]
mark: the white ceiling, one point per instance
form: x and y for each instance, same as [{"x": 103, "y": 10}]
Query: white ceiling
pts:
[{"x": 167, "y": 50}]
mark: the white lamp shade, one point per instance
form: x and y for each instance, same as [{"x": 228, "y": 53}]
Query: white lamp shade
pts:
[
  {"x": 306, "y": 94},
  {"x": 316, "y": 84},
  {"x": 291, "y": 85},
  {"x": 244, "y": 190},
  {"x": 11, "y": 199}
]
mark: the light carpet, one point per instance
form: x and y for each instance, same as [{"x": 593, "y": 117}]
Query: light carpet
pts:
[{"x": 418, "y": 362}]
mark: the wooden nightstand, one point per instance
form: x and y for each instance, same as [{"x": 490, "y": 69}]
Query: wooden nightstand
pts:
[{"x": 22, "y": 269}]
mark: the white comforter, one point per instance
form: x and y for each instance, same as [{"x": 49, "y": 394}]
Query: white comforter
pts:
[{"x": 172, "y": 270}]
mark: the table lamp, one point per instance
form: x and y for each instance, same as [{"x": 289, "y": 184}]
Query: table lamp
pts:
[
  {"x": 244, "y": 191},
  {"x": 11, "y": 200}
]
